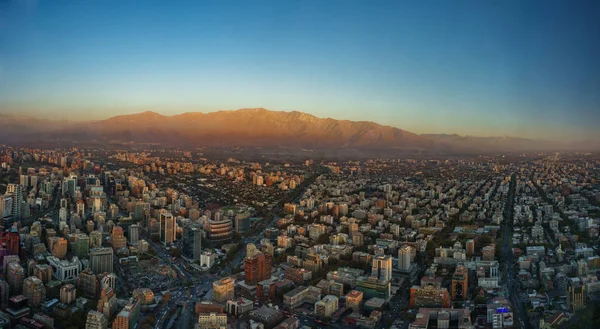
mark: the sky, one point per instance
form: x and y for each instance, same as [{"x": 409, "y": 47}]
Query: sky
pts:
[{"x": 484, "y": 68}]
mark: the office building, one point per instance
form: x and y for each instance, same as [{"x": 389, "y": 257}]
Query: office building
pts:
[
  {"x": 219, "y": 231},
  {"x": 460, "y": 283},
  {"x": 192, "y": 242},
  {"x": 429, "y": 296},
  {"x": 326, "y": 307},
  {"x": 65, "y": 270},
  {"x": 239, "y": 306},
  {"x": 34, "y": 290},
  {"x": 68, "y": 293},
  {"x": 15, "y": 191},
  {"x": 96, "y": 320},
  {"x": 168, "y": 228},
  {"x": 354, "y": 300},
  {"x": 107, "y": 304},
  {"x": 460, "y": 318},
  {"x": 372, "y": 287},
  {"x": 59, "y": 248},
  {"x": 128, "y": 317},
  {"x": 95, "y": 239},
  {"x": 575, "y": 294},
  {"x": 257, "y": 265},
  {"x": 101, "y": 260},
  {"x": 404, "y": 258},
  {"x": 382, "y": 267},
  {"x": 223, "y": 290},
  {"x": 117, "y": 238},
  {"x": 358, "y": 239},
  {"x": 134, "y": 234},
  {"x": 470, "y": 247},
  {"x": 15, "y": 276},
  {"x": 43, "y": 272},
  {"x": 211, "y": 321},
  {"x": 80, "y": 245},
  {"x": 88, "y": 283}
]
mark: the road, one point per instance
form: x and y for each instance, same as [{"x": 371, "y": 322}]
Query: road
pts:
[
  {"x": 512, "y": 287},
  {"x": 203, "y": 283}
]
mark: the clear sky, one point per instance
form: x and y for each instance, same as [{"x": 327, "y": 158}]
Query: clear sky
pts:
[{"x": 518, "y": 68}]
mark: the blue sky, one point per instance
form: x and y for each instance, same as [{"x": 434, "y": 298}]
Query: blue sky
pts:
[{"x": 519, "y": 68}]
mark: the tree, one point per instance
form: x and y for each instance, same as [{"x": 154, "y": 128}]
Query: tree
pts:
[{"x": 323, "y": 239}]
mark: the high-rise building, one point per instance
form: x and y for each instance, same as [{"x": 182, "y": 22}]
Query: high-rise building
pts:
[
  {"x": 16, "y": 193},
  {"x": 34, "y": 290},
  {"x": 354, "y": 300},
  {"x": 107, "y": 304},
  {"x": 470, "y": 247},
  {"x": 6, "y": 202},
  {"x": 95, "y": 239},
  {"x": 101, "y": 260},
  {"x": 404, "y": 258},
  {"x": 134, "y": 234},
  {"x": 88, "y": 283},
  {"x": 575, "y": 294},
  {"x": 59, "y": 248},
  {"x": 192, "y": 242},
  {"x": 80, "y": 245},
  {"x": 257, "y": 265},
  {"x": 117, "y": 238},
  {"x": 326, "y": 307},
  {"x": 4, "y": 293},
  {"x": 358, "y": 239},
  {"x": 223, "y": 290},
  {"x": 460, "y": 283},
  {"x": 15, "y": 276},
  {"x": 68, "y": 293},
  {"x": 96, "y": 320},
  {"x": 43, "y": 272},
  {"x": 168, "y": 228},
  {"x": 382, "y": 267},
  {"x": 128, "y": 317}
]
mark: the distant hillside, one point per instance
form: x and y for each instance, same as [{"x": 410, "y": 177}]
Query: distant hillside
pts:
[{"x": 261, "y": 127}]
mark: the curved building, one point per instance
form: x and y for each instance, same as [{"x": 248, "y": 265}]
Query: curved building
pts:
[{"x": 219, "y": 231}]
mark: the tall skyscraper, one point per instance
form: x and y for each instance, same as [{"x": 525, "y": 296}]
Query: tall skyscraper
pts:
[
  {"x": 168, "y": 228},
  {"x": 6, "y": 202},
  {"x": 404, "y": 258},
  {"x": 382, "y": 267},
  {"x": 134, "y": 234},
  {"x": 257, "y": 265},
  {"x": 101, "y": 260},
  {"x": 16, "y": 193},
  {"x": 575, "y": 294},
  {"x": 192, "y": 242}
]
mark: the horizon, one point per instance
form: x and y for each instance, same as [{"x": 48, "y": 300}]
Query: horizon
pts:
[{"x": 525, "y": 70}]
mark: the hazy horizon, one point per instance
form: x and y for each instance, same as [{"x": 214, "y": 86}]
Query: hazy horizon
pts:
[{"x": 470, "y": 68}]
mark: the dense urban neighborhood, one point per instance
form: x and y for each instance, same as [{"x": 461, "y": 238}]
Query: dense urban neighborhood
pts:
[{"x": 121, "y": 238}]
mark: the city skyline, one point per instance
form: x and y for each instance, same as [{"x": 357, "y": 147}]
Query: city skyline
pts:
[{"x": 512, "y": 69}]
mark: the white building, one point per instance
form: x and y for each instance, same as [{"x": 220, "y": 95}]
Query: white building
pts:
[{"x": 64, "y": 270}]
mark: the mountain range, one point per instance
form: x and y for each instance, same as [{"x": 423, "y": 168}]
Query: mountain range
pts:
[{"x": 261, "y": 128}]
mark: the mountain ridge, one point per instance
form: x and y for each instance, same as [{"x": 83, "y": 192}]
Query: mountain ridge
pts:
[{"x": 262, "y": 127}]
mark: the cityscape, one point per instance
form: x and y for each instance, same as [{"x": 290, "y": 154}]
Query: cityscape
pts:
[{"x": 299, "y": 165}]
